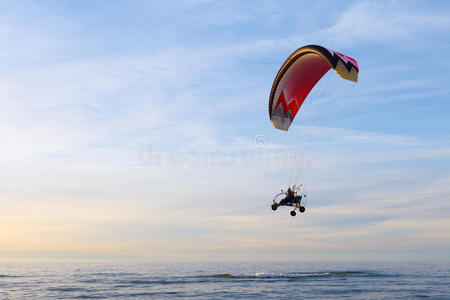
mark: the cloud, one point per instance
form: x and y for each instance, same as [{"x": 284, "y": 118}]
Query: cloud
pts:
[
  {"x": 384, "y": 21},
  {"x": 356, "y": 135}
]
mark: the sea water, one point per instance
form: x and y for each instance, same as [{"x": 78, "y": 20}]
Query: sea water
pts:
[{"x": 314, "y": 280}]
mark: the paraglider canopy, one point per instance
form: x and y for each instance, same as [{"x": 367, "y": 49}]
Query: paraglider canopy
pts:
[{"x": 299, "y": 74}]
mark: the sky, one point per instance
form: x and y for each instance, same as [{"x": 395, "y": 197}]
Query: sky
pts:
[{"x": 139, "y": 130}]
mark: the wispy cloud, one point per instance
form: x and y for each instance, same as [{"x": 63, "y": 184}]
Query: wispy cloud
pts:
[
  {"x": 384, "y": 21},
  {"x": 356, "y": 135}
]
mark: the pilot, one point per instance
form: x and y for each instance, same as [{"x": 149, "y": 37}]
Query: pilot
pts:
[{"x": 289, "y": 199}]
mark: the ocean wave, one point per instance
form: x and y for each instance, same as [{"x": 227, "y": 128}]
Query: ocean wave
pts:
[
  {"x": 224, "y": 275},
  {"x": 301, "y": 275},
  {"x": 9, "y": 276},
  {"x": 68, "y": 289},
  {"x": 113, "y": 274},
  {"x": 149, "y": 280},
  {"x": 160, "y": 281}
]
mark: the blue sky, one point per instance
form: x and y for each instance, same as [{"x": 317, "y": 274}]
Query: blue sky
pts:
[{"x": 129, "y": 128}]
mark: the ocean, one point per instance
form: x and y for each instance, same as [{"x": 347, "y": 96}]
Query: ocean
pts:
[{"x": 297, "y": 280}]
